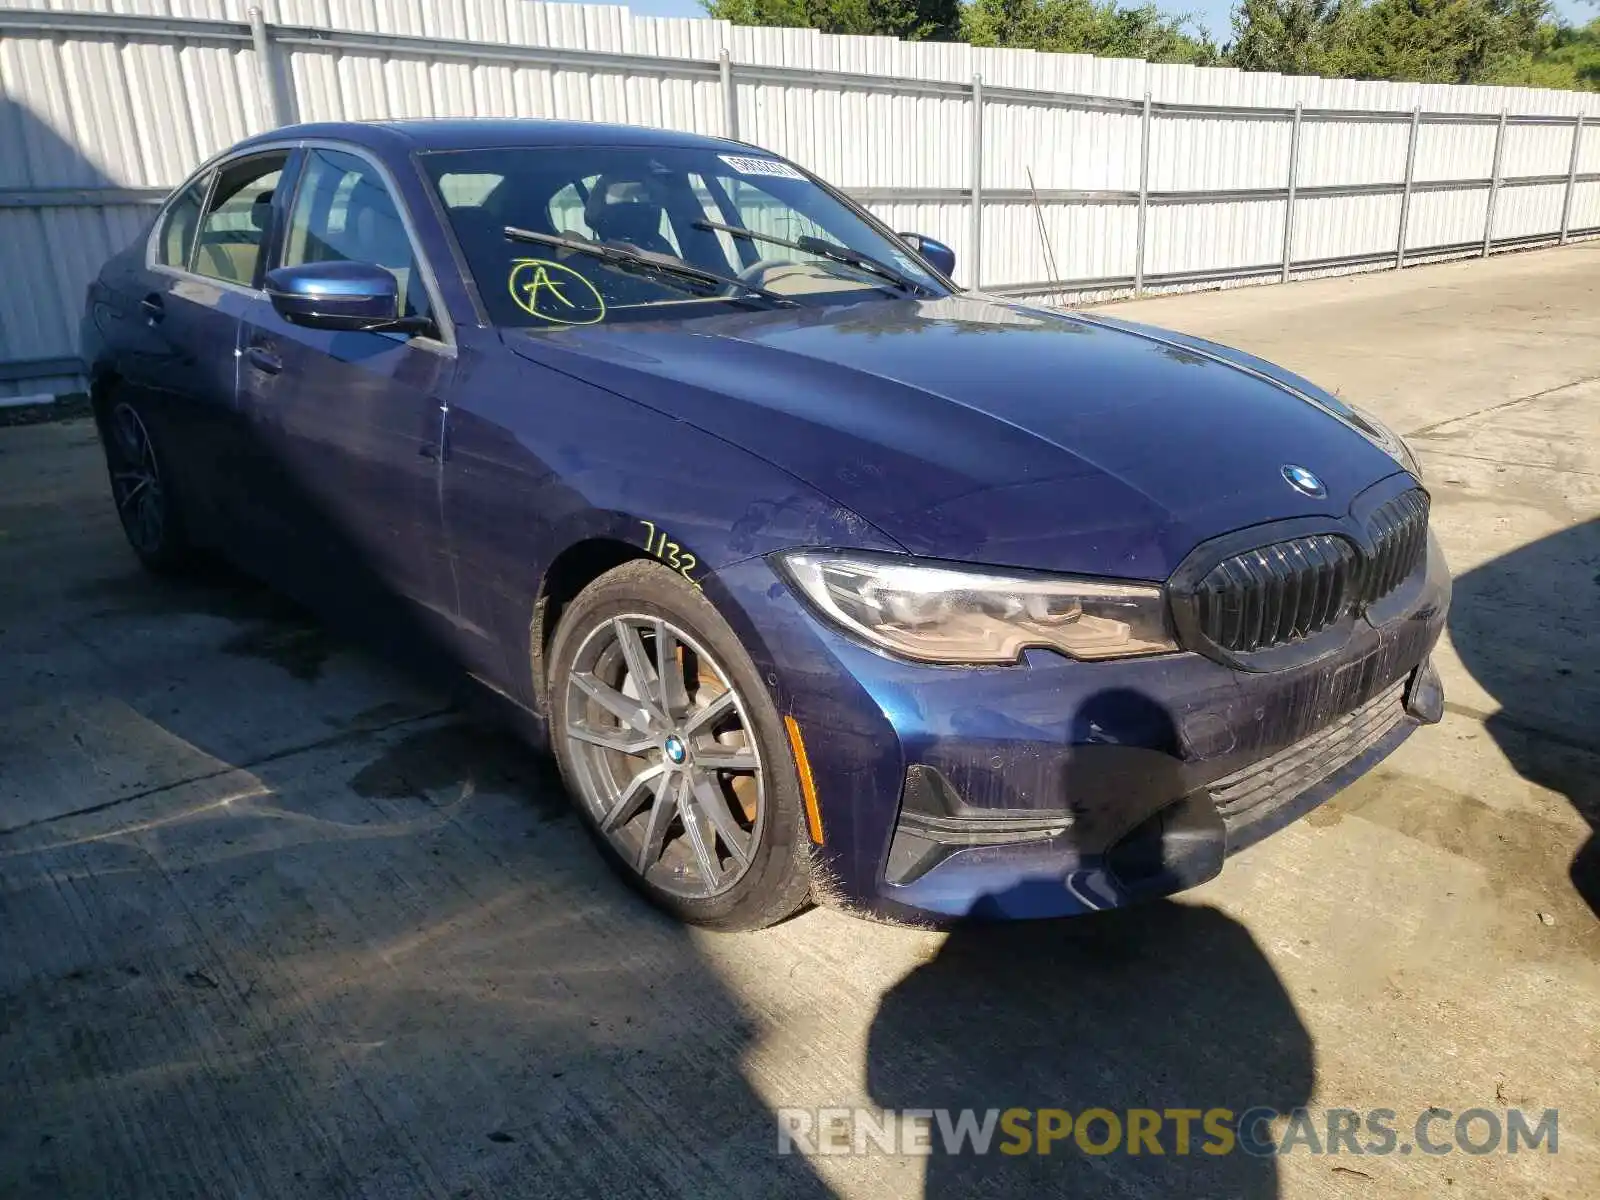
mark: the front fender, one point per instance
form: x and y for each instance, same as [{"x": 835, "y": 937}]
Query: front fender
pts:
[{"x": 540, "y": 463}]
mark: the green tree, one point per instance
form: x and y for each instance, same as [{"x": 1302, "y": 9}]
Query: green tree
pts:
[
  {"x": 1436, "y": 41},
  {"x": 913, "y": 20},
  {"x": 1065, "y": 26},
  {"x": 1088, "y": 27},
  {"x": 1448, "y": 41},
  {"x": 1296, "y": 37},
  {"x": 1565, "y": 57}
]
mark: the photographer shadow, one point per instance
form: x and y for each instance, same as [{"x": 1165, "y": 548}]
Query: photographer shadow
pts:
[{"x": 1162, "y": 1006}]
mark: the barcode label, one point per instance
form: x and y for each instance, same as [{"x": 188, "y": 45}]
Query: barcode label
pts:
[{"x": 746, "y": 165}]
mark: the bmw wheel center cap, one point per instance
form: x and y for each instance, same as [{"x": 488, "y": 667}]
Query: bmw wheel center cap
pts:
[{"x": 677, "y": 752}]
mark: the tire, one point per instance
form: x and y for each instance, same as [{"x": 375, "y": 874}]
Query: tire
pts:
[
  {"x": 690, "y": 788},
  {"x": 142, "y": 491}
]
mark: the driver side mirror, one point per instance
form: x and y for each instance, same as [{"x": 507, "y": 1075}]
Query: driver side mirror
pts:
[
  {"x": 940, "y": 257},
  {"x": 341, "y": 296}
]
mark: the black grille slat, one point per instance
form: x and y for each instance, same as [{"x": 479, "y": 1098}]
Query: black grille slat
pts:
[
  {"x": 1251, "y": 605},
  {"x": 1417, "y": 548},
  {"x": 1350, "y": 576},
  {"x": 1233, "y": 599},
  {"x": 1305, "y": 589},
  {"x": 1272, "y": 619},
  {"x": 1268, "y": 589},
  {"x": 1404, "y": 541},
  {"x": 1323, "y": 591},
  {"x": 1285, "y": 594},
  {"x": 1267, "y": 596},
  {"x": 1383, "y": 538},
  {"x": 1391, "y": 554}
]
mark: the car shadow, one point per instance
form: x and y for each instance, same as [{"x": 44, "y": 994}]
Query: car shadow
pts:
[
  {"x": 1524, "y": 625},
  {"x": 1163, "y": 1006}
]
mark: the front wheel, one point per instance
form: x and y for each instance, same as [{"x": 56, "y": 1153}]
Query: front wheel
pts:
[{"x": 675, "y": 752}]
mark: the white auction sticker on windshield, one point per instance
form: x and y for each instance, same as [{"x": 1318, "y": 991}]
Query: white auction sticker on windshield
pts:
[{"x": 746, "y": 165}]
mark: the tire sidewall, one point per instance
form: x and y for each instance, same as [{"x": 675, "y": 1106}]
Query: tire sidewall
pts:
[{"x": 777, "y": 882}]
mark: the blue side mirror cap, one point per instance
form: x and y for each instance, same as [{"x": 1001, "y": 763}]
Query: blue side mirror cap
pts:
[
  {"x": 937, "y": 255},
  {"x": 335, "y": 295}
]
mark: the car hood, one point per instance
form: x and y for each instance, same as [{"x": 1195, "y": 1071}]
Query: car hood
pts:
[{"x": 972, "y": 429}]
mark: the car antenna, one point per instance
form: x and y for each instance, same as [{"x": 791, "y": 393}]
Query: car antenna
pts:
[{"x": 1044, "y": 236}]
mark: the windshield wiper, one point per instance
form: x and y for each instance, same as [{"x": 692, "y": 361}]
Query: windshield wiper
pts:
[
  {"x": 823, "y": 249},
  {"x": 645, "y": 261}
]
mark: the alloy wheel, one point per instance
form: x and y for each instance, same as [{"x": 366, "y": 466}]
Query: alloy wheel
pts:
[
  {"x": 665, "y": 755},
  {"x": 136, "y": 481}
]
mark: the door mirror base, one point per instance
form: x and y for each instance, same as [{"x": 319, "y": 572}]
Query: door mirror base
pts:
[{"x": 410, "y": 326}]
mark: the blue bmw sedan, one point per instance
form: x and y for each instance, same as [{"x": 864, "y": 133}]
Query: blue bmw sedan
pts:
[{"x": 821, "y": 577}]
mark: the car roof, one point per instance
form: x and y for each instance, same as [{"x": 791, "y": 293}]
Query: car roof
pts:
[{"x": 483, "y": 133}]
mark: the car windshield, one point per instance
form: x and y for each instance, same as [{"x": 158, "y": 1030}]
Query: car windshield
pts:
[{"x": 720, "y": 214}]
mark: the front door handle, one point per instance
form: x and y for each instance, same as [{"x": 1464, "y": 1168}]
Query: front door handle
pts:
[
  {"x": 263, "y": 359},
  {"x": 153, "y": 307}
]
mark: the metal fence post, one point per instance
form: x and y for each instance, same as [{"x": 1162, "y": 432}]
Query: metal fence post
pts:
[
  {"x": 976, "y": 234},
  {"x": 1405, "y": 195},
  {"x": 272, "y": 97},
  {"x": 730, "y": 96},
  {"x": 1294, "y": 175},
  {"x": 1494, "y": 184},
  {"x": 1572, "y": 178},
  {"x": 1144, "y": 197}
]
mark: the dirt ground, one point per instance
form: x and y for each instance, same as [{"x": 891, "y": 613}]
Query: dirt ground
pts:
[{"x": 279, "y": 921}]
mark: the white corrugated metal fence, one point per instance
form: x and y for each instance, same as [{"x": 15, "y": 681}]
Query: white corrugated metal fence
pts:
[{"x": 1141, "y": 176}]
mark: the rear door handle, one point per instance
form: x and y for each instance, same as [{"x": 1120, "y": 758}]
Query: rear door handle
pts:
[
  {"x": 153, "y": 307},
  {"x": 263, "y": 359}
]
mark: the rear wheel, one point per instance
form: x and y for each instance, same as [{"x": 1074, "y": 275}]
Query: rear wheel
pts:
[
  {"x": 139, "y": 486},
  {"x": 675, "y": 753}
]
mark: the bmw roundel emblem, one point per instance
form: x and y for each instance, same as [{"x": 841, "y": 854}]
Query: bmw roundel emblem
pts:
[{"x": 1304, "y": 482}]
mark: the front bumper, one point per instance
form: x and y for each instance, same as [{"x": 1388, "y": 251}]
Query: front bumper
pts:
[{"x": 1054, "y": 787}]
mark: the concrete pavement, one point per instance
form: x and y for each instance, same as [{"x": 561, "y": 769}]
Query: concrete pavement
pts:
[{"x": 276, "y": 920}]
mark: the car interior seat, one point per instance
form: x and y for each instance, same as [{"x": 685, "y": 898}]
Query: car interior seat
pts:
[
  {"x": 374, "y": 233},
  {"x": 623, "y": 210},
  {"x": 232, "y": 253}
]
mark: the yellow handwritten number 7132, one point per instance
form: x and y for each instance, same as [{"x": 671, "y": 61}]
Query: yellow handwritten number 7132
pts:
[{"x": 674, "y": 555}]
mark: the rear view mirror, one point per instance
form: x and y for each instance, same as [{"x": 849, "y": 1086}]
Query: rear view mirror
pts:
[
  {"x": 337, "y": 295},
  {"x": 940, "y": 257}
]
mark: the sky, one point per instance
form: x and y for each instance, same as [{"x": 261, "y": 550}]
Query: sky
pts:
[{"x": 1213, "y": 14}]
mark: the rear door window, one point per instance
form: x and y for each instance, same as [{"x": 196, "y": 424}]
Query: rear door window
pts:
[
  {"x": 234, "y": 230},
  {"x": 180, "y": 223}
]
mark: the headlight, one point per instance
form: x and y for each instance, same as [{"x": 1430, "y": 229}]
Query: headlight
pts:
[
  {"x": 947, "y": 614},
  {"x": 1387, "y": 440}
]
